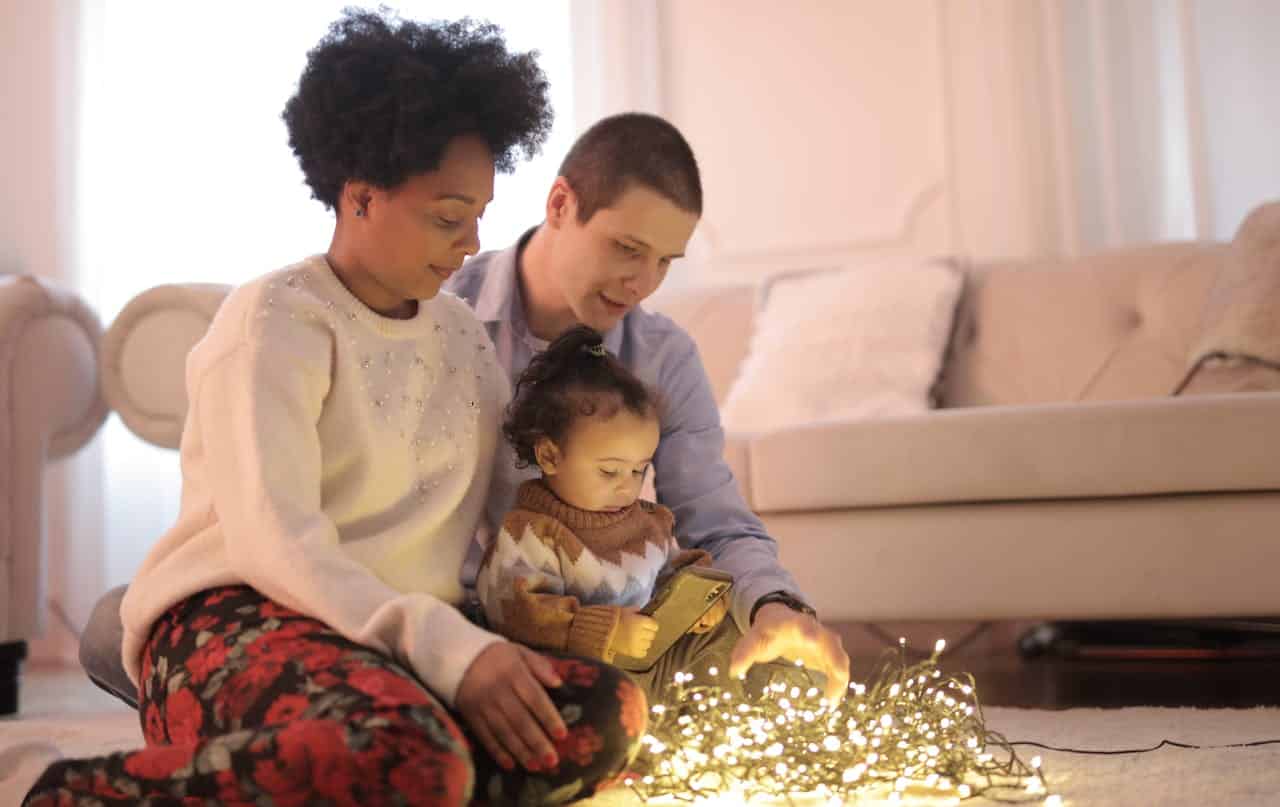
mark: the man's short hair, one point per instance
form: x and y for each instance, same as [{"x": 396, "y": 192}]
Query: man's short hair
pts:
[{"x": 632, "y": 148}]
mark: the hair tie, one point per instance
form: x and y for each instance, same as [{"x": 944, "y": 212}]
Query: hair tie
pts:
[{"x": 595, "y": 350}]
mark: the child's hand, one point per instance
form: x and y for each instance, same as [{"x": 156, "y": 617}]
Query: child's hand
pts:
[
  {"x": 635, "y": 633},
  {"x": 712, "y": 617}
]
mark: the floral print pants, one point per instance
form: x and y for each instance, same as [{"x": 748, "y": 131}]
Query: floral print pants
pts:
[{"x": 245, "y": 702}]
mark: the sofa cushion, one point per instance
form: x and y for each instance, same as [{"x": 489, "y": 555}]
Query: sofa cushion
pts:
[
  {"x": 1113, "y": 326},
  {"x": 1052, "y": 451},
  {"x": 855, "y": 342}
]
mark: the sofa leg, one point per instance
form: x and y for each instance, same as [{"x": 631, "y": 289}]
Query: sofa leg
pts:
[{"x": 11, "y": 656}]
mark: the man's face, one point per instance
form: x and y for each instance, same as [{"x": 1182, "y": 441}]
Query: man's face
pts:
[{"x": 619, "y": 256}]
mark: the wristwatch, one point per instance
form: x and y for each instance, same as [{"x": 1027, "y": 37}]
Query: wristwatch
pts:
[{"x": 789, "y": 600}]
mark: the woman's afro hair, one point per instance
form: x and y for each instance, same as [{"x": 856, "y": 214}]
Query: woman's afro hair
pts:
[{"x": 381, "y": 97}]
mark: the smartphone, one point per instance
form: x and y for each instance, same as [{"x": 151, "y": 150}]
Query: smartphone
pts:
[{"x": 683, "y": 599}]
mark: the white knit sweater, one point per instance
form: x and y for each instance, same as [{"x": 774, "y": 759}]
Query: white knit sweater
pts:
[{"x": 338, "y": 462}]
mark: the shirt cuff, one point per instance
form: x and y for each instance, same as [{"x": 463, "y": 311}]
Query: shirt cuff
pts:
[
  {"x": 745, "y": 596},
  {"x": 445, "y": 663}
]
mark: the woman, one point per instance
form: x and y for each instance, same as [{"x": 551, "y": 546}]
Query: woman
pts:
[{"x": 294, "y": 636}]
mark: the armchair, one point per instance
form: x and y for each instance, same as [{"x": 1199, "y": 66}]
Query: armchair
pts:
[{"x": 49, "y": 407}]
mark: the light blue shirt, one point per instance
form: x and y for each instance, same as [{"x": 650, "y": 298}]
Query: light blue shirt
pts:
[{"x": 691, "y": 476}]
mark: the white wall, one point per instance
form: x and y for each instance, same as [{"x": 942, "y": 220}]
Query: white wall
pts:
[
  {"x": 38, "y": 46},
  {"x": 831, "y": 131}
]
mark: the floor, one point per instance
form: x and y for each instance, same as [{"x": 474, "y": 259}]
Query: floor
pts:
[
  {"x": 1006, "y": 679},
  {"x": 48, "y": 691},
  {"x": 1002, "y": 676},
  {"x": 63, "y": 702}
]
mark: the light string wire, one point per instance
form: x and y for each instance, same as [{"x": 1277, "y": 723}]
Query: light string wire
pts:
[
  {"x": 910, "y": 730},
  {"x": 1162, "y": 744}
]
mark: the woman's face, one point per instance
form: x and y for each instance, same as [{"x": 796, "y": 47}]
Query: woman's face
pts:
[{"x": 412, "y": 237}]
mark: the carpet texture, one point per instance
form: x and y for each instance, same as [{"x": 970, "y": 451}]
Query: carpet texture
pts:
[{"x": 1170, "y": 777}]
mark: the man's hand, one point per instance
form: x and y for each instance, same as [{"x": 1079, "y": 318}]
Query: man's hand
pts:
[
  {"x": 780, "y": 631},
  {"x": 504, "y": 700},
  {"x": 635, "y": 633},
  {"x": 712, "y": 617}
]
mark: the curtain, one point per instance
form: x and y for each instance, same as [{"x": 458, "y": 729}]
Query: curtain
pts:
[{"x": 184, "y": 174}]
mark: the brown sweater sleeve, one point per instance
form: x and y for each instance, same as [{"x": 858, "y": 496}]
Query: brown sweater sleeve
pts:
[{"x": 523, "y": 591}]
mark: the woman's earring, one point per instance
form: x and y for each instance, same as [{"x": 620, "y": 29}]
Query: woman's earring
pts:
[{"x": 359, "y": 212}]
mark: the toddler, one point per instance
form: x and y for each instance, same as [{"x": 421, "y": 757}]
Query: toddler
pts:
[{"x": 580, "y": 553}]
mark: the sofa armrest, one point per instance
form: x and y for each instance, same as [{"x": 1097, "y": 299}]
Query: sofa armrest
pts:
[
  {"x": 144, "y": 357},
  {"x": 1047, "y": 451},
  {"x": 49, "y": 407}
]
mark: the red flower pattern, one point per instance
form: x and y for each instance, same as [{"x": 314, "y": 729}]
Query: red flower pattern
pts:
[
  {"x": 183, "y": 717},
  {"x": 576, "y": 673},
  {"x": 286, "y": 708},
  {"x": 633, "y": 708},
  {"x": 581, "y": 745},
  {"x": 158, "y": 761},
  {"x": 298, "y": 760},
  {"x": 207, "y": 660},
  {"x": 153, "y": 725},
  {"x": 386, "y": 687}
]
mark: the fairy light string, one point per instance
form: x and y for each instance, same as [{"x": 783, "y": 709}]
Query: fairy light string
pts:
[{"x": 910, "y": 730}]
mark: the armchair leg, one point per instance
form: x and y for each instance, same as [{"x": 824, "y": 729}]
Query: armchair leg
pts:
[{"x": 11, "y": 656}]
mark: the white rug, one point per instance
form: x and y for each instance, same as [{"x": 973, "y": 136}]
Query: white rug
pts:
[{"x": 1170, "y": 777}]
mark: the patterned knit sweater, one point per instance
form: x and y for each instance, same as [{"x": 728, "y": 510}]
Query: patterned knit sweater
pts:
[{"x": 557, "y": 577}]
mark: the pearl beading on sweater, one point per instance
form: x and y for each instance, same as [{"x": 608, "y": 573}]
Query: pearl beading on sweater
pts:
[{"x": 463, "y": 396}]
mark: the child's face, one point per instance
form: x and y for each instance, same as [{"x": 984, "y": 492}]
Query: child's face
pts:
[{"x": 603, "y": 461}]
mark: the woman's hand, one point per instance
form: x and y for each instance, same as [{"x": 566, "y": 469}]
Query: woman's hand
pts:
[
  {"x": 503, "y": 697},
  {"x": 712, "y": 617},
  {"x": 635, "y": 633}
]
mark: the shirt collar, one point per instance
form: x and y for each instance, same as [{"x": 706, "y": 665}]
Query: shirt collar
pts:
[
  {"x": 500, "y": 300},
  {"x": 500, "y": 287}
]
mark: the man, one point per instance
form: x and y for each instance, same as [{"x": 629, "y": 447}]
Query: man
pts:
[{"x": 622, "y": 209}]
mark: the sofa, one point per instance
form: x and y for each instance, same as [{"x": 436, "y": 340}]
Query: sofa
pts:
[{"x": 1060, "y": 477}]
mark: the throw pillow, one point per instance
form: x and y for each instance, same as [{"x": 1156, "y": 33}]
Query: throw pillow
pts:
[
  {"x": 1242, "y": 314},
  {"x": 1223, "y": 373},
  {"x": 856, "y": 342}
]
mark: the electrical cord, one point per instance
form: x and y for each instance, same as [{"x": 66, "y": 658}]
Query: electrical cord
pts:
[
  {"x": 951, "y": 648},
  {"x": 889, "y": 641},
  {"x": 1162, "y": 744}
]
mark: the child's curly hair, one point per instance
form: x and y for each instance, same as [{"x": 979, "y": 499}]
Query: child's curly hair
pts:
[
  {"x": 574, "y": 377},
  {"x": 381, "y": 97}
]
